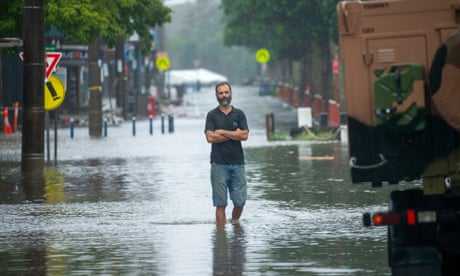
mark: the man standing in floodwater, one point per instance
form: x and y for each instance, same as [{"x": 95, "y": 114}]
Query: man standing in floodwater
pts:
[{"x": 226, "y": 126}]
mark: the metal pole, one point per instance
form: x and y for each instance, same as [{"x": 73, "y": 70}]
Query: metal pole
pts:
[
  {"x": 55, "y": 136},
  {"x": 47, "y": 127}
]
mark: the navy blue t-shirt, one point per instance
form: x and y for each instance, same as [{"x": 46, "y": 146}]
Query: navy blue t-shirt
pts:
[{"x": 229, "y": 152}]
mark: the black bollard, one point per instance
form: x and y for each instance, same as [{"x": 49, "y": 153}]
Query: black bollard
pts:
[
  {"x": 162, "y": 124},
  {"x": 170, "y": 123},
  {"x": 134, "y": 126},
  {"x": 105, "y": 127},
  {"x": 71, "y": 128},
  {"x": 151, "y": 124}
]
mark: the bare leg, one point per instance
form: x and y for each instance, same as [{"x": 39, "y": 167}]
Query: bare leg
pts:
[
  {"x": 236, "y": 213},
  {"x": 220, "y": 215}
]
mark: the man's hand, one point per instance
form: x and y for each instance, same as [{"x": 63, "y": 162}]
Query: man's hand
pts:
[{"x": 222, "y": 135}]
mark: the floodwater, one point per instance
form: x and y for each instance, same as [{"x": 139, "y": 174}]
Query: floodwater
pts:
[{"x": 140, "y": 205}]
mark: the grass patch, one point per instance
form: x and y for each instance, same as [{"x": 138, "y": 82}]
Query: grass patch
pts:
[
  {"x": 280, "y": 136},
  {"x": 314, "y": 134}
]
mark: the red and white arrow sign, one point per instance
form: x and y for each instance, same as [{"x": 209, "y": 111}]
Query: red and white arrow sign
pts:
[{"x": 51, "y": 60}]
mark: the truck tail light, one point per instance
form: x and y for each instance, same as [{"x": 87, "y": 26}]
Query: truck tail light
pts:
[
  {"x": 410, "y": 217},
  {"x": 407, "y": 217},
  {"x": 386, "y": 218},
  {"x": 426, "y": 216}
]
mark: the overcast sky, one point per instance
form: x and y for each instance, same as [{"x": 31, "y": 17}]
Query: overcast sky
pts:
[{"x": 176, "y": 2}]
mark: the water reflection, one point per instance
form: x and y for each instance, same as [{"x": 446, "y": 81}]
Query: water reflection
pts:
[
  {"x": 281, "y": 171},
  {"x": 34, "y": 186},
  {"x": 229, "y": 250},
  {"x": 26, "y": 257},
  {"x": 54, "y": 186}
]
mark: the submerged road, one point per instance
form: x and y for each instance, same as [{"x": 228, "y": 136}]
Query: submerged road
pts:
[{"x": 140, "y": 205}]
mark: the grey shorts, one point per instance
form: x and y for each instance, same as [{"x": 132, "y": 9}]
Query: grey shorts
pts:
[{"x": 231, "y": 178}]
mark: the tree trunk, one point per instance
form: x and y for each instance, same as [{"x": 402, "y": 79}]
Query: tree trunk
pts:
[
  {"x": 120, "y": 85},
  {"x": 306, "y": 76},
  {"x": 326, "y": 66},
  {"x": 95, "y": 90},
  {"x": 1, "y": 79}
]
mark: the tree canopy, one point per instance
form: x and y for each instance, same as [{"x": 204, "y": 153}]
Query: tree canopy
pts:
[
  {"x": 292, "y": 30},
  {"x": 284, "y": 26},
  {"x": 11, "y": 18},
  {"x": 83, "y": 21}
]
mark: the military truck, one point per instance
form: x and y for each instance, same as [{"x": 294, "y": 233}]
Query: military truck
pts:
[{"x": 401, "y": 61}]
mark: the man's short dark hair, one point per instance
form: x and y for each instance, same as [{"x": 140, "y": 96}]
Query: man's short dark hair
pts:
[{"x": 223, "y": 83}]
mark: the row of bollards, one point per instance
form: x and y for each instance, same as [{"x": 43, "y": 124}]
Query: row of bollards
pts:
[{"x": 105, "y": 126}]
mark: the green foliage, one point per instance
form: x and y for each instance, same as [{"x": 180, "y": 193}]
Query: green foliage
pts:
[
  {"x": 313, "y": 134},
  {"x": 140, "y": 16},
  {"x": 280, "y": 136},
  {"x": 84, "y": 21},
  {"x": 11, "y": 18}
]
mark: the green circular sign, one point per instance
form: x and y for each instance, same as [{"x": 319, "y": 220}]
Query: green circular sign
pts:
[
  {"x": 162, "y": 63},
  {"x": 262, "y": 55}
]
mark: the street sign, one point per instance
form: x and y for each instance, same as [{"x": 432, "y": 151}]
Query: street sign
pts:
[
  {"x": 51, "y": 60},
  {"x": 50, "y": 48},
  {"x": 54, "y": 92},
  {"x": 262, "y": 55},
  {"x": 162, "y": 63}
]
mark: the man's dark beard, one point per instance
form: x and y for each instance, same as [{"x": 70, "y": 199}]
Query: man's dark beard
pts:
[{"x": 225, "y": 101}]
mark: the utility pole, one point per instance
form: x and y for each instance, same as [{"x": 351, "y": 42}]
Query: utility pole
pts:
[{"x": 33, "y": 159}]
